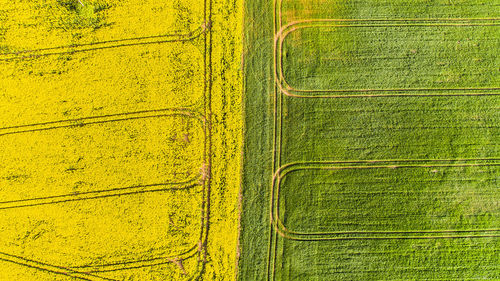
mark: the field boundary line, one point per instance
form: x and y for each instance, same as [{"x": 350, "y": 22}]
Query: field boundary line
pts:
[
  {"x": 134, "y": 264},
  {"x": 389, "y": 92},
  {"x": 80, "y": 122},
  {"x": 181, "y": 110},
  {"x": 33, "y": 54},
  {"x": 207, "y": 144},
  {"x": 80, "y": 275},
  {"x": 91, "y": 272},
  {"x": 275, "y": 157},
  {"x": 336, "y": 165},
  {"x": 103, "y": 193}
]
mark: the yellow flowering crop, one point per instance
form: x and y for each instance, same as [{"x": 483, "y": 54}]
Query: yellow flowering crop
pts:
[{"x": 115, "y": 139}]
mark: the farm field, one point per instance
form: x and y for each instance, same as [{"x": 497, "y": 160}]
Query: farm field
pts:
[
  {"x": 340, "y": 140},
  {"x": 372, "y": 140},
  {"x": 119, "y": 121}
]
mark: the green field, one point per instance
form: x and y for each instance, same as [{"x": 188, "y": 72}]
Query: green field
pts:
[
  {"x": 386, "y": 199},
  {"x": 372, "y": 140},
  {"x": 383, "y": 57}
]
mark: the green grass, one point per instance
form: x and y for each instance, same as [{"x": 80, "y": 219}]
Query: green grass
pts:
[
  {"x": 388, "y": 9},
  {"x": 400, "y": 56},
  {"x": 387, "y": 134},
  {"x": 333, "y": 199},
  {"x": 390, "y": 128},
  {"x": 424, "y": 259}
]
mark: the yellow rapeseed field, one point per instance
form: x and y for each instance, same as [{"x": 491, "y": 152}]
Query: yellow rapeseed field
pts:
[{"x": 120, "y": 139}]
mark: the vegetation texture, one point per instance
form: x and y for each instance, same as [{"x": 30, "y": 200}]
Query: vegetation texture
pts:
[
  {"x": 372, "y": 140},
  {"x": 119, "y": 121}
]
